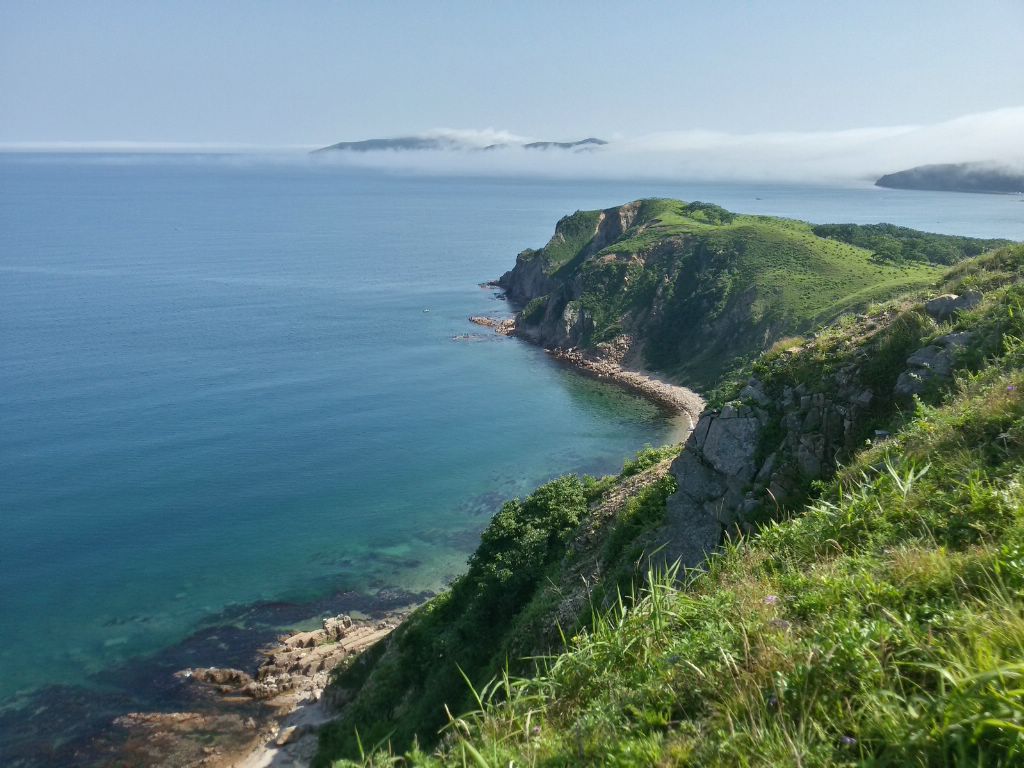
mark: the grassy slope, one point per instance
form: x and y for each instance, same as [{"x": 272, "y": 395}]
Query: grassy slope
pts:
[
  {"x": 881, "y": 625},
  {"x": 504, "y": 608},
  {"x": 726, "y": 285}
]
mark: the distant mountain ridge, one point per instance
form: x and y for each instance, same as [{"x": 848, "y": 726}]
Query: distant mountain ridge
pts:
[
  {"x": 434, "y": 143},
  {"x": 957, "y": 177}
]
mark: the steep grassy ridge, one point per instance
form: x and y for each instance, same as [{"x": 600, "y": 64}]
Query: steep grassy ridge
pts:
[{"x": 527, "y": 578}]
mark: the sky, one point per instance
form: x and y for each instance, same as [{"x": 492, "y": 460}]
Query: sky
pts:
[{"x": 313, "y": 72}]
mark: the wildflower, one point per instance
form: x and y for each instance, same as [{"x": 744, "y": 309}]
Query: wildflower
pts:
[
  {"x": 536, "y": 730},
  {"x": 770, "y": 600},
  {"x": 1011, "y": 388},
  {"x": 848, "y": 741}
]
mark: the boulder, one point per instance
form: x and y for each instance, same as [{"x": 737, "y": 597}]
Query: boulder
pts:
[
  {"x": 933, "y": 362},
  {"x": 337, "y": 626},
  {"x": 305, "y": 639},
  {"x": 948, "y": 305},
  {"x": 755, "y": 391},
  {"x": 727, "y": 444},
  {"x": 222, "y": 677}
]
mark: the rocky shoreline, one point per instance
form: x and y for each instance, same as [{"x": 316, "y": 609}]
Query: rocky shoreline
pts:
[
  {"x": 679, "y": 400},
  {"x": 503, "y": 327},
  {"x": 673, "y": 397},
  {"x": 271, "y": 717},
  {"x": 268, "y": 718}
]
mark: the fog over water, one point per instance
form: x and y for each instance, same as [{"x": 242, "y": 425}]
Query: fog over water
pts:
[{"x": 854, "y": 155}]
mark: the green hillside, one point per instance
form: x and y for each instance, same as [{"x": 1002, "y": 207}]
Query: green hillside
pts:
[
  {"x": 698, "y": 290},
  {"x": 501, "y": 611},
  {"x": 862, "y": 500},
  {"x": 882, "y": 623}
]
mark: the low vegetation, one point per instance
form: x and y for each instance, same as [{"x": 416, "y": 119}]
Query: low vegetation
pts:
[
  {"x": 491, "y": 616},
  {"x": 898, "y": 244},
  {"x": 880, "y": 623},
  {"x": 883, "y": 626}
]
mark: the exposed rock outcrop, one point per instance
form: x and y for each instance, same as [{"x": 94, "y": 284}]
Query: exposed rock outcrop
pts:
[
  {"x": 750, "y": 459},
  {"x": 713, "y": 471},
  {"x": 931, "y": 364},
  {"x": 746, "y": 462},
  {"x": 249, "y": 720},
  {"x": 226, "y": 680},
  {"x": 210, "y": 740},
  {"x": 534, "y": 277},
  {"x": 504, "y": 326},
  {"x": 300, "y": 665},
  {"x": 949, "y": 305}
]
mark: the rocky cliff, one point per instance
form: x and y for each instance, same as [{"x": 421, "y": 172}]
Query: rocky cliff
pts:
[
  {"x": 810, "y": 406},
  {"x": 877, "y": 620}
]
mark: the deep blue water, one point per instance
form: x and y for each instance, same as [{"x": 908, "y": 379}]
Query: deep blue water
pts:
[{"x": 228, "y": 382}]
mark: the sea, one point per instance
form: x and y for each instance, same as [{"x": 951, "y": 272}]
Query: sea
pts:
[{"x": 237, "y": 394}]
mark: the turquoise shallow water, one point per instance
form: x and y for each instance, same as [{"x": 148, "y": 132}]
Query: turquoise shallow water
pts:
[
  {"x": 226, "y": 385},
  {"x": 230, "y": 382}
]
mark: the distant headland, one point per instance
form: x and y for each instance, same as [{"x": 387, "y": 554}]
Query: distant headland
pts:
[
  {"x": 434, "y": 143},
  {"x": 988, "y": 178}
]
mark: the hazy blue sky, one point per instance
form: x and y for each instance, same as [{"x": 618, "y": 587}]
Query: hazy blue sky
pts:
[{"x": 316, "y": 72}]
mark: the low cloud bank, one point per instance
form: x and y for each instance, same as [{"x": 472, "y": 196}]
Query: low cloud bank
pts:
[
  {"x": 824, "y": 156},
  {"x": 850, "y": 156}
]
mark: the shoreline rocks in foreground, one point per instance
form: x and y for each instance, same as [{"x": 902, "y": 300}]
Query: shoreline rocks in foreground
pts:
[{"x": 270, "y": 717}]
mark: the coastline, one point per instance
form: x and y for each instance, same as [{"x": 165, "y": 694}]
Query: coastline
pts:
[
  {"x": 238, "y": 716},
  {"x": 682, "y": 402},
  {"x": 675, "y": 398},
  {"x": 290, "y": 737},
  {"x": 223, "y": 696},
  {"x": 294, "y": 740},
  {"x": 269, "y": 718}
]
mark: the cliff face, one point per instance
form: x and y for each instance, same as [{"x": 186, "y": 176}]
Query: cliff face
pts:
[
  {"x": 757, "y": 456},
  {"x": 810, "y": 406},
  {"x": 581, "y": 235},
  {"x": 694, "y": 291}
]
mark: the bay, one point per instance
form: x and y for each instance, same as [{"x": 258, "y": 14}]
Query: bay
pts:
[{"x": 227, "y": 381}]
